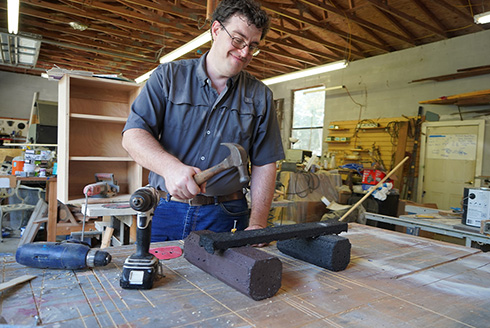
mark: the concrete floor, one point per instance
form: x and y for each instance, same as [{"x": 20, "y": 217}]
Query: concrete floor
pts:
[{"x": 9, "y": 244}]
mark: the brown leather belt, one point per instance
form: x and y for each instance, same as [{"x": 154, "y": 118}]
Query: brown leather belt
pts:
[{"x": 204, "y": 200}]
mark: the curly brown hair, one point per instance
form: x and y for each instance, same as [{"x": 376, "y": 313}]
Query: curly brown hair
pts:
[{"x": 250, "y": 9}]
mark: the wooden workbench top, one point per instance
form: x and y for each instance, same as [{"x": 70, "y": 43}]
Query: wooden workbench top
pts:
[{"x": 393, "y": 280}]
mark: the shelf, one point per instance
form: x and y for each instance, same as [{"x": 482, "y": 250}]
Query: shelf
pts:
[
  {"x": 100, "y": 159},
  {"x": 476, "y": 98},
  {"x": 372, "y": 129},
  {"x": 340, "y": 129},
  {"x": 99, "y": 118},
  {"x": 29, "y": 145},
  {"x": 337, "y": 141}
]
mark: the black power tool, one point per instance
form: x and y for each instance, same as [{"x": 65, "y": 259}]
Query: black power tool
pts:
[{"x": 142, "y": 268}]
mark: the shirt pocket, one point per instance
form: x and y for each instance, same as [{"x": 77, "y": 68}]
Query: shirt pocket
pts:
[
  {"x": 242, "y": 118},
  {"x": 184, "y": 112}
]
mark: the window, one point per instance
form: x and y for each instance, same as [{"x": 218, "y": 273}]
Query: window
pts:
[{"x": 308, "y": 115}]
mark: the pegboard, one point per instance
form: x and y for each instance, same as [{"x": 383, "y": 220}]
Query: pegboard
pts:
[
  {"x": 384, "y": 141},
  {"x": 14, "y": 126}
]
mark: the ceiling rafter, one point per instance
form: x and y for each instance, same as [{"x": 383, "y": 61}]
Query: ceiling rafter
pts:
[
  {"x": 395, "y": 12},
  {"x": 322, "y": 25},
  {"x": 388, "y": 16},
  {"x": 129, "y": 36},
  {"x": 356, "y": 19},
  {"x": 430, "y": 14}
]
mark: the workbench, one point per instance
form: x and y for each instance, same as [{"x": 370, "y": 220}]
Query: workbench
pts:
[
  {"x": 393, "y": 280},
  {"x": 442, "y": 226}
]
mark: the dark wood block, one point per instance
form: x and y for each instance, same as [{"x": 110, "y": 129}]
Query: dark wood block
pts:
[{"x": 252, "y": 272}]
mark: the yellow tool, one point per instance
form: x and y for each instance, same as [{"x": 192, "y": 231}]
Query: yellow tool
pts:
[
  {"x": 234, "y": 227},
  {"x": 424, "y": 216}
]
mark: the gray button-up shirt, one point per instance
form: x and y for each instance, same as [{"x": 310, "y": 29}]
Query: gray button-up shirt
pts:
[{"x": 181, "y": 109}]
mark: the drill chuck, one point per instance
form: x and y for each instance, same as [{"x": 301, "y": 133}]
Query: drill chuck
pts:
[{"x": 144, "y": 199}]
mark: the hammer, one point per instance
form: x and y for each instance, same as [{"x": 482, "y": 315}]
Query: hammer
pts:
[{"x": 237, "y": 157}]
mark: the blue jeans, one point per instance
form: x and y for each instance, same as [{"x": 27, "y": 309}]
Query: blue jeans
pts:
[{"x": 175, "y": 220}]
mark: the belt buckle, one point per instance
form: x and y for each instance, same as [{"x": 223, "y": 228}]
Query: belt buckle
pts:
[{"x": 189, "y": 201}]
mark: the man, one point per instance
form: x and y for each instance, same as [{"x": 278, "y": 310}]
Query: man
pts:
[{"x": 183, "y": 114}]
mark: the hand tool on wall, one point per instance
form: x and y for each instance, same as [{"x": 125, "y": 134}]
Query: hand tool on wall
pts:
[
  {"x": 237, "y": 158},
  {"x": 69, "y": 255},
  {"x": 104, "y": 186},
  {"x": 141, "y": 268}
]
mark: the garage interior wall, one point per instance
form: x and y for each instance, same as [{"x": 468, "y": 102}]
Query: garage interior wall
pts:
[
  {"x": 379, "y": 86},
  {"x": 17, "y": 92}
]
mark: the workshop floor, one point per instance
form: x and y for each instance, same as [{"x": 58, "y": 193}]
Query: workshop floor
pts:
[{"x": 9, "y": 245}]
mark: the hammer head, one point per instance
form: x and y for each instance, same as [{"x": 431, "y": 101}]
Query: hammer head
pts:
[{"x": 238, "y": 157}]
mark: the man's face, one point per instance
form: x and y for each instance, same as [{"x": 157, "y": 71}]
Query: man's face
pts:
[{"x": 229, "y": 59}]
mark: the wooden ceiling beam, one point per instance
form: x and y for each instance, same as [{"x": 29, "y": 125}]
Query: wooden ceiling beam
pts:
[
  {"x": 149, "y": 16},
  {"x": 101, "y": 18},
  {"x": 300, "y": 48},
  {"x": 324, "y": 26},
  {"x": 177, "y": 10},
  {"x": 398, "y": 13},
  {"x": 97, "y": 28},
  {"x": 355, "y": 19},
  {"x": 311, "y": 39},
  {"x": 287, "y": 55},
  {"x": 397, "y": 24},
  {"x": 124, "y": 45},
  {"x": 466, "y": 15},
  {"x": 429, "y": 14}
]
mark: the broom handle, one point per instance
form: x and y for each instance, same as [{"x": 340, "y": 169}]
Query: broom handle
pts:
[{"x": 372, "y": 189}]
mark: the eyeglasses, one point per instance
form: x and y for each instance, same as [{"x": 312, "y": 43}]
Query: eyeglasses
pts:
[{"x": 240, "y": 44}]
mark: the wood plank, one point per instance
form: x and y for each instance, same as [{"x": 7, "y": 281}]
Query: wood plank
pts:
[
  {"x": 476, "y": 97},
  {"x": 52, "y": 210},
  {"x": 16, "y": 281},
  {"x": 37, "y": 217}
]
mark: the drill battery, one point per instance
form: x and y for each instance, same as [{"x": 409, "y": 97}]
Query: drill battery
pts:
[{"x": 139, "y": 273}]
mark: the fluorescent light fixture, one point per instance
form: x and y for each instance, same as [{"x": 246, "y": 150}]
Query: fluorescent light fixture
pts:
[
  {"x": 144, "y": 77},
  {"x": 19, "y": 51},
  {"x": 326, "y": 89},
  {"x": 188, "y": 47},
  {"x": 179, "y": 52},
  {"x": 13, "y": 15},
  {"x": 482, "y": 18},
  {"x": 307, "y": 72}
]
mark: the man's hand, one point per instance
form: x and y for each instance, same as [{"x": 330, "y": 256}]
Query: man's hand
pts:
[
  {"x": 255, "y": 227},
  {"x": 180, "y": 183}
]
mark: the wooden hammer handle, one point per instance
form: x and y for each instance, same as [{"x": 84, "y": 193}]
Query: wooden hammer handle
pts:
[
  {"x": 207, "y": 174},
  {"x": 372, "y": 189}
]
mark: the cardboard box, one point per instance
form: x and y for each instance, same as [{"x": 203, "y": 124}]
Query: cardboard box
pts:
[{"x": 8, "y": 181}]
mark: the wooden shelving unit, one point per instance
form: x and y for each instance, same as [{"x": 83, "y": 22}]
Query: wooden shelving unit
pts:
[{"x": 92, "y": 114}]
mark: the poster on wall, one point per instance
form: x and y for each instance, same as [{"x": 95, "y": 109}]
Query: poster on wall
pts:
[{"x": 452, "y": 146}]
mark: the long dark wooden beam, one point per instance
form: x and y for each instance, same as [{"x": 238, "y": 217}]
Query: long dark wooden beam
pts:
[{"x": 224, "y": 240}]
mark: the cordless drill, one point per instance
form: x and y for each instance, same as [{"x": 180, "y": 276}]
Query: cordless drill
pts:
[{"x": 141, "y": 268}]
